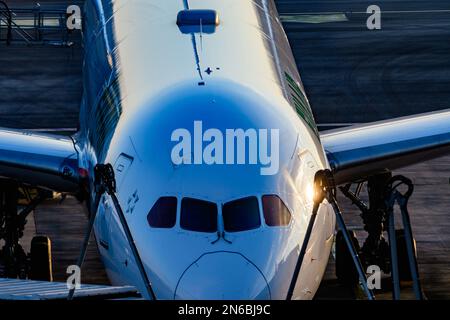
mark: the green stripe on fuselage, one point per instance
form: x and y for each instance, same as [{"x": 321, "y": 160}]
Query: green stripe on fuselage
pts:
[{"x": 301, "y": 104}]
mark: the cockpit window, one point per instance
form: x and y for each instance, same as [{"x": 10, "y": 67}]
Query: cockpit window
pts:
[
  {"x": 164, "y": 213},
  {"x": 275, "y": 211},
  {"x": 241, "y": 215},
  {"x": 198, "y": 215}
]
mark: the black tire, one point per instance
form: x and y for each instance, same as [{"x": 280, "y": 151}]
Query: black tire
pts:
[
  {"x": 41, "y": 259},
  {"x": 346, "y": 271},
  {"x": 402, "y": 255}
]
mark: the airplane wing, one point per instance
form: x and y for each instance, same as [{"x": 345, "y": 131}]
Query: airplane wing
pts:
[
  {"x": 356, "y": 152},
  {"x": 42, "y": 160}
]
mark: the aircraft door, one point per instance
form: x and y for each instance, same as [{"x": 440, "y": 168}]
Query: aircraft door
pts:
[{"x": 121, "y": 166}]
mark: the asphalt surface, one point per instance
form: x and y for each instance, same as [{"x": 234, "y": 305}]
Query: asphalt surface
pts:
[
  {"x": 352, "y": 74},
  {"x": 40, "y": 85}
]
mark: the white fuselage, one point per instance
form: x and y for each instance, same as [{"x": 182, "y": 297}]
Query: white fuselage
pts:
[{"x": 144, "y": 79}]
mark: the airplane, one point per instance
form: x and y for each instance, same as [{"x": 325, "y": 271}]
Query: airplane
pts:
[{"x": 199, "y": 228}]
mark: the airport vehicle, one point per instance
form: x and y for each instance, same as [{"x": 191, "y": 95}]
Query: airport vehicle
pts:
[{"x": 200, "y": 229}]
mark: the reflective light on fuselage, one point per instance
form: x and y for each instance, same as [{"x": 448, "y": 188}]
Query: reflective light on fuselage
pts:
[{"x": 310, "y": 193}]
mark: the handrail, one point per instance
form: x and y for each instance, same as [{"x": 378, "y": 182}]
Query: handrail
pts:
[
  {"x": 30, "y": 24},
  {"x": 9, "y": 20}
]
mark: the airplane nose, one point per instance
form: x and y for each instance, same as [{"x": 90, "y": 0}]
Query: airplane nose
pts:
[{"x": 222, "y": 276}]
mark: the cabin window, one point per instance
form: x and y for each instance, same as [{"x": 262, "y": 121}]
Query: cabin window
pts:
[
  {"x": 164, "y": 213},
  {"x": 198, "y": 215},
  {"x": 241, "y": 215},
  {"x": 275, "y": 211}
]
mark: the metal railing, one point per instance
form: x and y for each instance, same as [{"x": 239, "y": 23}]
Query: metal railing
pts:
[
  {"x": 5, "y": 16},
  {"x": 35, "y": 25}
]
